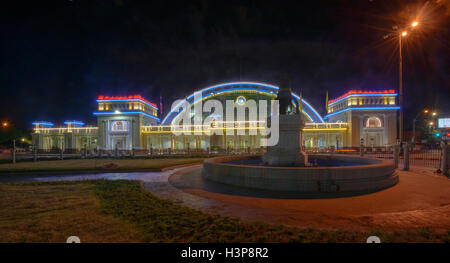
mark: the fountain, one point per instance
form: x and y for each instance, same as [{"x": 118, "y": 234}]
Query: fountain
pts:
[{"x": 284, "y": 167}]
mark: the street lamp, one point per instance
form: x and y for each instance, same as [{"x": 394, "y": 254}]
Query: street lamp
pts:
[{"x": 402, "y": 34}]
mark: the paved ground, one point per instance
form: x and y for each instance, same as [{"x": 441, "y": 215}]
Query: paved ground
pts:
[{"x": 420, "y": 199}]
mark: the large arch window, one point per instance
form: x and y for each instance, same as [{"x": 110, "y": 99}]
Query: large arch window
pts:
[
  {"x": 241, "y": 87},
  {"x": 373, "y": 122}
]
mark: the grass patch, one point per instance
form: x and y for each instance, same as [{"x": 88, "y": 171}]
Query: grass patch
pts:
[
  {"x": 51, "y": 212},
  {"x": 161, "y": 220},
  {"x": 123, "y": 211},
  {"x": 95, "y": 164}
]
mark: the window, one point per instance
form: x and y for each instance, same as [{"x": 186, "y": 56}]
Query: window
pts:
[
  {"x": 373, "y": 122},
  {"x": 119, "y": 126}
]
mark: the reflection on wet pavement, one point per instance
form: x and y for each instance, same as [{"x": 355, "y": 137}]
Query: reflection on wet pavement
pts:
[{"x": 141, "y": 176}]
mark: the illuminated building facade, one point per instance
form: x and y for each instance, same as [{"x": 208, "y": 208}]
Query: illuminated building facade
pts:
[
  {"x": 121, "y": 119},
  {"x": 72, "y": 136},
  {"x": 370, "y": 116},
  {"x": 131, "y": 122}
]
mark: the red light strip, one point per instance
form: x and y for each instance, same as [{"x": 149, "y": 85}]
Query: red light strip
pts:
[
  {"x": 358, "y": 92},
  {"x": 136, "y": 97}
]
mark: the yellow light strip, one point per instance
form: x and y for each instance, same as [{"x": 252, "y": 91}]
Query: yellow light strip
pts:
[
  {"x": 65, "y": 128},
  {"x": 324, "y": 129},
  {"x": 239, "y": 128},
  {"x": 190, "y": 131}
]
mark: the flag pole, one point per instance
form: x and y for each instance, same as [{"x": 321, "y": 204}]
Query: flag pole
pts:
[{"x": 300, "y": 104}]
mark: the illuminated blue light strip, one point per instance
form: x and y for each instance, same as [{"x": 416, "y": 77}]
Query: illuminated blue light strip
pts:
[
  {"x": 363, "y": 108},
  {"x": 309, "y": 116},
  {"x": 310, "y": 107},
  {"x": 275, "y": 89},
  {"x": 43, "y": 123},
  {"x": 124, "y": 100},
  {"x": 172, "y": 114},
  {"x": 74, "y": 122},
  {"x": 126, "y": 112},
  {"x": 212, "y": 93},
  {"x": 233, "y": 84},
  {"x": 359, "y": 95},
  {"x": 319, "y": 118}
]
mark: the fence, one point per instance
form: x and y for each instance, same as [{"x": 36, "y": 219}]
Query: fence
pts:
[
  {"x": 430, "y": 156},
  {"x": 419, "y": 155},
  {"x": 55, "y": 154}
]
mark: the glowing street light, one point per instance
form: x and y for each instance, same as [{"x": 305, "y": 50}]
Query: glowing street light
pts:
[
  {"x": 5, "y": 124},
  {"x": 402, "y": 33},
  {"x": 425, "y": 111},
  {"x": 434, "y": 113}
]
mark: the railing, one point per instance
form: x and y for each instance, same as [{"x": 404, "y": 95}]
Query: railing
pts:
[
  {"x": 420, "y": 155},
  {"x": 54, "y": 154},
  {"x": 334, "y": 125},
  {"x": 425, "y": 156},
  {"x": 429, "y": 156}
]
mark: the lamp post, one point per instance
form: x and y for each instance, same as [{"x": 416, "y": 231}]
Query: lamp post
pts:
[
  {"x": 402, "y": 33},
  {"x": 400, "y": 84}
]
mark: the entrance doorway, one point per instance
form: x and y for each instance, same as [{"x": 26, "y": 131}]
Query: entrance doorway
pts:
[{"x": 120, "y": 142}]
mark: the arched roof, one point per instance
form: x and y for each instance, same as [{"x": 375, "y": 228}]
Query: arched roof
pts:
[{"x": 241, "y": 86}]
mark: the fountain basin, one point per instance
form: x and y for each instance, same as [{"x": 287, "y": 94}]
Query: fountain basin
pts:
[{"x": 359, "y": 175}]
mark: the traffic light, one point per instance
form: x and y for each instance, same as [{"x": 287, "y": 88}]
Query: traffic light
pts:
[{"x": 437, "y": 134}]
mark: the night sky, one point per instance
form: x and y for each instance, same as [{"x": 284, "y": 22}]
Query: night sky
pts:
[{"x": 57, "y": 57}]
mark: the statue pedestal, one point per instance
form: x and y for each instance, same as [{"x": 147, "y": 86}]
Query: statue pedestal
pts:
[{"x": 288, "y": 151}]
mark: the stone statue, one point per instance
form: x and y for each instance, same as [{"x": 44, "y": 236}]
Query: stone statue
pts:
[
  {"x": 284, "y": 97},
  {"x": 288, "y": 151}
]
